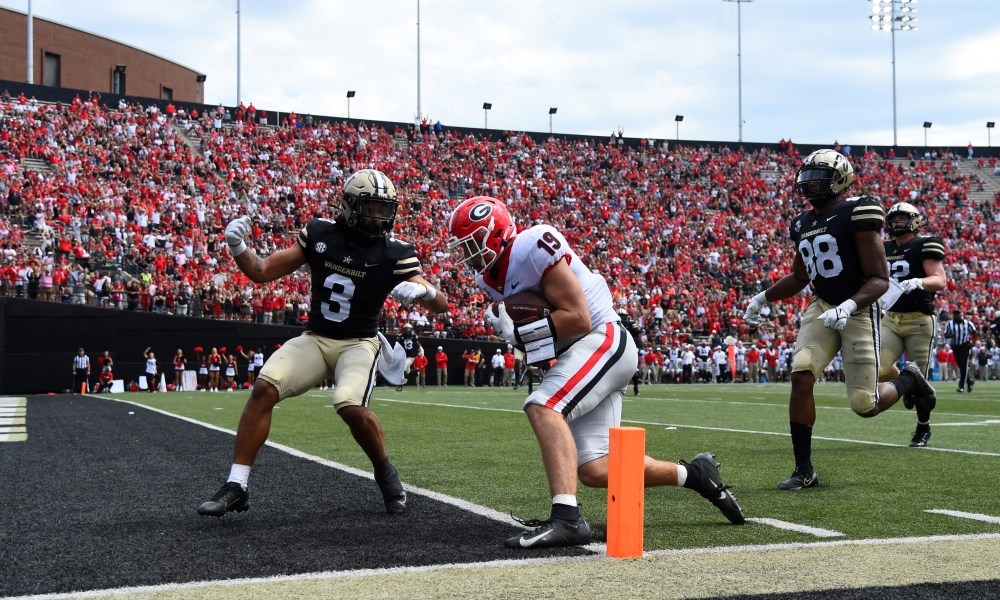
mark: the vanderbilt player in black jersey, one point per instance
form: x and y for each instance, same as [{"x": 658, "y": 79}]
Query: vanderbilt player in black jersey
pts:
[
  {"x": 354, "y": 265},
  {"x": 916, "y": 263},
  {"x": 839, "y": 254}
]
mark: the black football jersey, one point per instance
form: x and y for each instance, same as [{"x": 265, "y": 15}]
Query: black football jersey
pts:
[
  {"x": 907, "y": 262},
  {"x": 826, "y": 244},
  {"x": 409, "y": 343},
  {"x": 350, "y": 283}
]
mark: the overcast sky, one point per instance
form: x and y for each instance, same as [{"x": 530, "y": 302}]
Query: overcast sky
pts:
[{"x": 812, "y": 70}]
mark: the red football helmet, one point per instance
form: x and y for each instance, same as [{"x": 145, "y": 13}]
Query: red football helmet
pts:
[{"x": 480, "y": 228}]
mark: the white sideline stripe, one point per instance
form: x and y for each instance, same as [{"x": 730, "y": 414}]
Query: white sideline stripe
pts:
[
  {"x": 705, "y": 428},
  {"x": 964, "y": 515},
  {"x": 465, "y": 505},
  {"x": 13, "y": 412},
  {"x": 13, "y": 429},
  {"x": 327, "y": 575},
  {"x": 814, "y": 531},
  {"x": 13, "y": 437},
  {"x": 987, "y": 422},
  {"x": 785, "y": 405},
  {"x": 11, "y": 421}
]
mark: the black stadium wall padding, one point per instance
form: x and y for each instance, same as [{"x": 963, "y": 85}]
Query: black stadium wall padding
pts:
[{"x": 38, "y": 341}]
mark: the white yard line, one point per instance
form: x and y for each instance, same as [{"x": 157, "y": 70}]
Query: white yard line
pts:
[
  {"x": 813, "y": 531},
  {"x": 964, "y": 515},
  {"x": 527, "y": 562},
  {"x": 706, "y": 428}
]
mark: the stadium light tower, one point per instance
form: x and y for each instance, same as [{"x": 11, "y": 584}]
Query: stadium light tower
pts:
[
  {"x": 927, "y": 125},
  {"x": 486, "y": 107},
  {"x": 893, "y": 16},
  {"x": 739, "y": 59},
  {"x": 677, "y": 122},
  {"x": 989, "y": 128},
  {"x": 552, "y": 111},
  {"x": 350, "y": 94}
]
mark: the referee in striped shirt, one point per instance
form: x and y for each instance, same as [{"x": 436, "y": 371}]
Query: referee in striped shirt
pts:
[
  {"x": 960, "y": 331},
  {"x": 81, "y": 371}
]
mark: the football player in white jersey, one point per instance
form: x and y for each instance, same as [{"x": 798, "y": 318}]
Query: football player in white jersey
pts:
[{"x": 580, "y": 397}]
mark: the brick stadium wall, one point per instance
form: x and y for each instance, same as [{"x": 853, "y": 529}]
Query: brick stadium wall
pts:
[
  {"x": 38, "y": 341},
  {"x": 88, "y": 60}
]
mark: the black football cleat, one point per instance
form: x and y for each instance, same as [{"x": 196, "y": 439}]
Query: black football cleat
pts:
[
  {"x": 552, "y": 533},
  {"x": 232, "y": 497},
  {"x": 921, "y": 394},
  {"x": 711, "y": 487},
  {"x": 393, "y": 493},
  {"x": 799, "y": 480},
  {"x": 920, "y": 438}
]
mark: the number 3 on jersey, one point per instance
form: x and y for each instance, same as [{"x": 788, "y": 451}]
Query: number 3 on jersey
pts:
[
  {"x": 338, "y": 307},
  {"x": 820, "y": 256}
]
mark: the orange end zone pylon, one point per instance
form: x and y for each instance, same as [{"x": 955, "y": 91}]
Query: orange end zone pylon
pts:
[{"x": 626, "y": 491}]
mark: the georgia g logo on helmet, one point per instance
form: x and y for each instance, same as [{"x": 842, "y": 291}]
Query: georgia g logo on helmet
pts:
[
  {"x": 480, "y": 228},
  {"x": 480, "y": 212}
]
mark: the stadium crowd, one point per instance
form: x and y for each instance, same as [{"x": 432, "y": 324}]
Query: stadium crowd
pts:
[{"x": 128, "y": 204}]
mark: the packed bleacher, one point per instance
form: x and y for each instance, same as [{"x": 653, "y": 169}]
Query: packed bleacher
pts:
[{"x": 124, "y": 207}]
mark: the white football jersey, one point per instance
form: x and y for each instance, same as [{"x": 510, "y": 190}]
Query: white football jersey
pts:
[{"x": 532, "y": 254}]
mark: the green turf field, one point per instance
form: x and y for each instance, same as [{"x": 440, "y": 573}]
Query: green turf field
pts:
[{"x": 475, "y": 444}]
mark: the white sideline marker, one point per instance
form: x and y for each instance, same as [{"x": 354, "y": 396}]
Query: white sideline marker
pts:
[
  {"x": 813, "y": 531},
  {"x": 965, "y": 515}
]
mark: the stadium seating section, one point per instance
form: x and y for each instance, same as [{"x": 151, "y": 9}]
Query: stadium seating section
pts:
[{"x": 125, "y": 206}]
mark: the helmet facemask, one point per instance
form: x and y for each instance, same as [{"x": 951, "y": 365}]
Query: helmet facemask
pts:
[
  {"x": 370, "y": 203},
  {"x": 473, "y": 250},
  {"x": 824, "y": 175},
  {"x": 903, "y": 218},
  {"x": 374, "y": 217},
  {"x": 481, "y": 228}
]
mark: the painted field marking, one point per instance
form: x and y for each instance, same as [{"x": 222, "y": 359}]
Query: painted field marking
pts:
[
  {"x": 483, "y": 511},
  {"x": 13, "y": 415},
  {"x": 965, "y": 515},
  {"x": 786, "y": 525},
  {"x": 706, "y": 428},
  {"x": 527, "y": 562},
  {"x": 986, "y": 422}
]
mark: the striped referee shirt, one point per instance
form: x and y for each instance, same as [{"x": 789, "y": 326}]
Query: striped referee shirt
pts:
[
  {"x": 960, "y": 332},
  {"x": 81, "y": 363}
]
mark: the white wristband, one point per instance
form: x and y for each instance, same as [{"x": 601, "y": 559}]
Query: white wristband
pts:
[
  {"x": 539, "y": 350},
  {"x": 430, "y": 293},
  {"x": 540, "y": 329},
  {"x": 238, "y": 249}
]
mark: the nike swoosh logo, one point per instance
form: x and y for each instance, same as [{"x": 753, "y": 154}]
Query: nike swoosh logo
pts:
[
  {"x": 371, "y": 264},
  {"x": 514, "y": 285},
  {"x": 529, "y": 542},
  {"x": 831, "y": 218}
]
